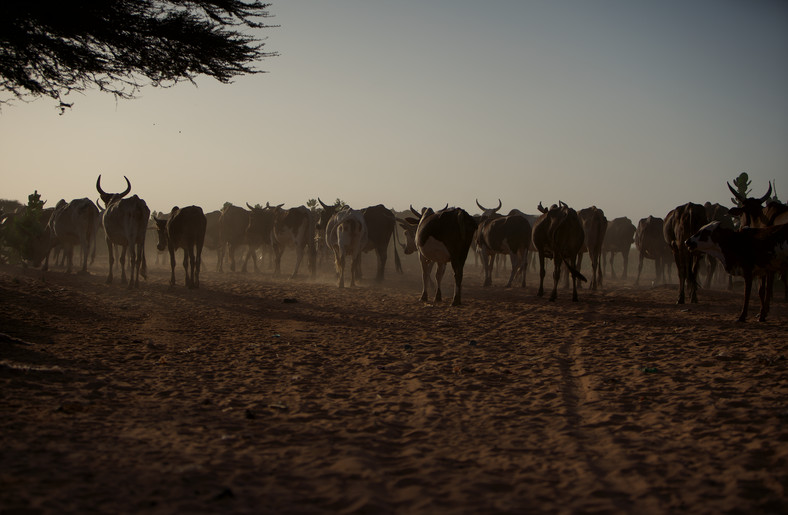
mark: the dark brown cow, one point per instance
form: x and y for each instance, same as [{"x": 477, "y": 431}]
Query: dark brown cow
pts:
[
  {"x": 442, "y": 237},
  {"x": 212, "y": 234},
  {"x": 748, "y": 253},
  {"x": 720, "y": 213},
  {"x": 503, "y": 235},
  {"x": 595, "y": 226},
  {"x": 618, "y": 238},
  {"x": 650, "y": 243},
  {"x": 751, "y": 214},
  {"x": 558, "y": 234},
  {"x": 184, "y": 229},
  {"x": 233, "y": 223},
  {"x": 125, "y": 222},
  {"x": 381, "y": 226},
  {"x": 681, "y": 223},
  {"x": 294, "y": 228},
  {"x": 74, "y": 223},
  {"x": 259, "y": 232}
]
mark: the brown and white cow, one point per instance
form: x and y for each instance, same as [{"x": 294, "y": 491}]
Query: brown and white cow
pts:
[
  {"x": 558, "y": 234},
  {"x": 440, "y": 237},
  {"x": 618, "y": 239},
  {"x": 681, "y": 223},
  {"x": 125, "y": 222},
  {"x": 503, "y": 235},
  {"x": 594, "y": 226},
  {"x": 184, "y": 229},
  {"x": 74, "y": 223},
  {"x": 650, "y": 243},
  {"x": 346, "y": 236},
  {"x": 294, "y": 228},
  {"x": 749, "y": 253}
]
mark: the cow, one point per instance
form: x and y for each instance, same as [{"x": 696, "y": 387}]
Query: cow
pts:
[
  {"x": 184, "y": 229},
  {"x": 619, "y": 236},
  {"x": 558, "y": 234},
  {"x": 717, "y": 212},
  {"x": 294, "y": 227},
  {"x": 346, "y": 236},
  {"x": 381, "y": 226},
  {"x": 440, "y": 237},
  {"x": 212, "y": 234},
  {"x": 233, "y": 223},
  {"x": 594, "y": 227},
  {"x": 503, "y": 235},
  {"x": 650, "y": 243},
  {"x": 749, "y": 253},
  {"x": 259, "y": 231},
  {"x": 74, "y": 223},
  {"x": 681, "y": 223},
  {"x": 125, "y": 222},
  {"x": 751, "y": 213}
]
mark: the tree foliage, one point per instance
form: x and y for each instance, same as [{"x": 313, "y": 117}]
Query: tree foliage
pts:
[
  {"x": 21, "y": 234},
  {"x": 52, "y": 47},
  {"x": 742, "y": 186}
]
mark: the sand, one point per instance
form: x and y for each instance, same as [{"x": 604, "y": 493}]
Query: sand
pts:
[{"x": 257, "y": 394}]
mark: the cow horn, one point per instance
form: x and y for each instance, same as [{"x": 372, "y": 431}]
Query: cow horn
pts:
[
  {"x": 128, "y": 187},
  {"x": 768, "y": 194},
  {"x": 414, "y": 211},
  {"x": 562, "y": 203},
  {"x": 500, "y": 205},
  {"x": 250, "y": 207},
  {"x": 98, "y": 186},
  {"x": 541, "y": 208},
  {"x": 445, "y": 207},
  {"x": 480, "y": 206},
  {"x": 736, "y": 193},
  {"x": 322, "y": 203}
]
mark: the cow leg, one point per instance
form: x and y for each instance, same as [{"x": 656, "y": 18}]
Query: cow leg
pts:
[
  {"x": 85, "y": 251},
  {"x": 438, "y": 278},
  {"x": 299, "y": 257},
  {"x": 625, "y": 255},
  {"x": 612, "y": 269},
  {"x": 765, "y": 293},
  {"x": 426, "y": 268},
  {"x": 123, "y": 264},
  {"x": 457, "y": 267},
  {"x": 382, "y": 255},
  {"x": 514, "y": 262},
  {"x": 556, "y": 277},
  {"x": 172, "y": 267},
  {"x": 132, "y": 261},
  {"x": 488, "y": 262},
  {"x": 278, "y": 251},
  {"x": 640, "y": 268},
  {"x": 747, "y": 293},
  {"x": 190, "y": 271},
  {"x": 540, "y": 291},
  {"x": 681, "y": 267},
  {"x": 692, "y": 279},
  {"x": 111, "y": 255}
]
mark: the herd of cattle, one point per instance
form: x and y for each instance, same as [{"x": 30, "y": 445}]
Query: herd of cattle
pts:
[{"x": 749, "y": 240}]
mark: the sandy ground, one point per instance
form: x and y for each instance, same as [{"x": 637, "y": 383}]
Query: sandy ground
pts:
[{"x": 258, "y": 394}]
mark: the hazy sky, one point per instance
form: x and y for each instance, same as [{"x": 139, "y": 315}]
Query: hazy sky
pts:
[{"x": 632, "y": 106}]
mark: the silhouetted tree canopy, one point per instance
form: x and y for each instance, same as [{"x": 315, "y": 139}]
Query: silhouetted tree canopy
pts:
[{"x": 52, "y": 47}]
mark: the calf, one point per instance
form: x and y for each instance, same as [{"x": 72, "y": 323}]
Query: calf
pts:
[
  {"x": 184, "y": 229},
  {"x": 748, "y": 253}
]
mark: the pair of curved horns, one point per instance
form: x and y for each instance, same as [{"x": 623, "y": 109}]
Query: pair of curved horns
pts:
[
  {"x": 104, "y": 193},
  {"x": 493, "y": 210},
  {"x": 743, "y": 199}
]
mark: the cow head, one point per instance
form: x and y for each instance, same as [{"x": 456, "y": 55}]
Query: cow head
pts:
[
  {"x": 108, "y": 198},
  {"x": 161, "y": 231},
  {"x": 707, "y": 238},
  {"x": 750, "y": 210}
]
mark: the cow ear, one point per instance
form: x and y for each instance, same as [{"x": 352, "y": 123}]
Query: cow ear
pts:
[{"x": 412, "y": 221}]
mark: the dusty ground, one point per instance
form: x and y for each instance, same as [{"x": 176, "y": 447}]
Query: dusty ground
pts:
[{"x": 264, "y": 395}]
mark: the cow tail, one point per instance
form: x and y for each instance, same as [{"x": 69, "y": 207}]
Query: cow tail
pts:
[
  {"x": 574, "y": 271},
  {"x": 397, "y": 262}
]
